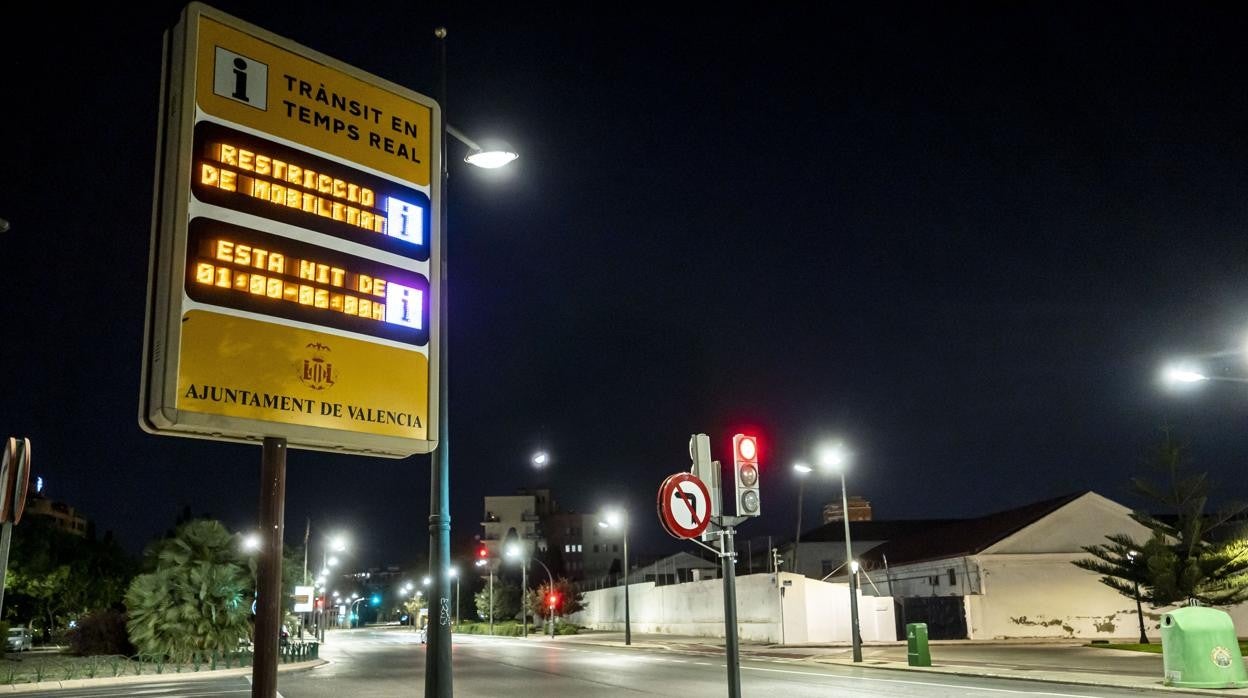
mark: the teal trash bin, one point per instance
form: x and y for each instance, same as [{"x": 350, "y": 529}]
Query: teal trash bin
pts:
[
  {"x": 1200, "y": 649},
  {"x": 917, "y": 653}
]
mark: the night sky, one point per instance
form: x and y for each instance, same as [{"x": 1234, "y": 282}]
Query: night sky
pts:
[{"x": 962, "y": 237}]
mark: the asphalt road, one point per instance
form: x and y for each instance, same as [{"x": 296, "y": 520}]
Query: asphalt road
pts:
[{"x": 387, "y": 663}]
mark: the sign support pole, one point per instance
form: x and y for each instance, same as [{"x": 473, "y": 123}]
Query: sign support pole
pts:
[
  {"x": 6, "y": 537},
  {"x": 727, "y": 560},
  {"x": 269, "y": 582}
]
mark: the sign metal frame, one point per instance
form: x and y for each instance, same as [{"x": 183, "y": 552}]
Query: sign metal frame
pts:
[{"x": 169, "y": 307}]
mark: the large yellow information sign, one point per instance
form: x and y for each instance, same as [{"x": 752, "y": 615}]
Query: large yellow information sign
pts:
[{"x": 294, "y": 248}]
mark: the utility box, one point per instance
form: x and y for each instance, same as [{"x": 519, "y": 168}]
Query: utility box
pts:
[
  {"x": 1201, "y": 650},
  {"x": 917, "y": 653}
]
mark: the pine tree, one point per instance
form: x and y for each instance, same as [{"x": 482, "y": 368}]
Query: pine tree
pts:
[{"x": 1190, "y": 557}]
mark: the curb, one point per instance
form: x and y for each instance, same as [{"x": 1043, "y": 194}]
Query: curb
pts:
[
  {"x": 153, "y": 678},
  {"x": 1100, "y": 681},
  {"x": 1071, "y": 680}
]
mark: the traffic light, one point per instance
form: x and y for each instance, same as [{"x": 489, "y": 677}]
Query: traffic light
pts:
[
  {"x": 745, "y": 474},
  {"x": 376, "y": 600},
  {"x": 554, "y": 601}
]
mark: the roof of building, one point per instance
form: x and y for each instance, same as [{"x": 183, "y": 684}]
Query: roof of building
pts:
[
  {"x": 965, "y": 537},
  {"x": 681, "y": 560},
  {"x": 871, "y": 530}
]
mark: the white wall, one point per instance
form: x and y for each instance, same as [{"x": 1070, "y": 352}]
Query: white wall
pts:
[
  {"x": 1044, "y": 595},
  {"x": 814, "y": 611}
]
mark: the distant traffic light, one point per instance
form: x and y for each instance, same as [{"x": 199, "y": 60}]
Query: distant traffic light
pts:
[
  {"x": 554, "y": 601},
  {"x": 376, "y": 600},
  {"x": 745, "y": 474}
]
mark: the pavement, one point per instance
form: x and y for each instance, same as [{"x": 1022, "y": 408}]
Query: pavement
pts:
[{"x": 1060, "y": 662}]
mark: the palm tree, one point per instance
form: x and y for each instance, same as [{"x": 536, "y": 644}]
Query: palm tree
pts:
[{"x": 195, "y": 599}]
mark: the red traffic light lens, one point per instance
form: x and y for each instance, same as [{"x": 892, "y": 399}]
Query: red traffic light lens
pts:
[
  {"x": 482, "y": 552},
  {"x": 747, "y": 447}
]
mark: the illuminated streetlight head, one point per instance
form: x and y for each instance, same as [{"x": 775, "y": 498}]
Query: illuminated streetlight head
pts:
[
  {"x": 338, "y": 543},
  {"x": 251, "y": 542},
  {"x": 613, "y": 519},
  {"x": 332, "y": 561},
  {"x": 1182, "y": 374},
  {"x": 513, "y": 550},
  {"x": 452, "y": 572},
  {"x": 853, "y": 566},
  {"x": 541, "y": 458},
  {"x": 492, "y": 159},
  {"x": 833, "y": 457},
  {"x": 427, "y": 581},
  {"x": 801, "y": 468}
]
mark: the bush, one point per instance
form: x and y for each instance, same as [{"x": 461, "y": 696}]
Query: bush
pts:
[
  {"x": 514, "y": 629},
  {"x": 100, "y": 632},
  {"x": 504, "y": 629}
]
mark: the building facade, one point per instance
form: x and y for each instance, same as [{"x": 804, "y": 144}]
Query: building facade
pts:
[{"x": 58, "y": 514}]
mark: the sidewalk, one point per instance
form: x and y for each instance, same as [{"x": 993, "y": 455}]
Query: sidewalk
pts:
[{"x": 1087, "y": 666}]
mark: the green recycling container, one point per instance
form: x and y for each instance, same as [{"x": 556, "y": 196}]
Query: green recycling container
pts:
[
  {"x": 917, "y": 653},
  {"x": 1200, "y": 649}
]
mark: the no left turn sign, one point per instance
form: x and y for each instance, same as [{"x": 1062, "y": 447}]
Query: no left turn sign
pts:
[{"x": 684, "y": 505}]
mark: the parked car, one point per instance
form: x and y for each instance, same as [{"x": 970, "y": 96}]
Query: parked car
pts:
[{"x": 21, "y": 639}]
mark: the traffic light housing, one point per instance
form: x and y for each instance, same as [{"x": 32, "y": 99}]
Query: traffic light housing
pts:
[{"x": 745, "y": 474}]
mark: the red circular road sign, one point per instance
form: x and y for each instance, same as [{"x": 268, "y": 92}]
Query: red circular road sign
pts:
[{"x": 684, "y": 505}]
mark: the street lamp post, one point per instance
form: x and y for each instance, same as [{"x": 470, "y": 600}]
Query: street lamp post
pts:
[
  {"x": 833, "y": 458},
  {"x": 1139, "y": 609},
  {"x": 550, "y": 578},
  {"x": 438, "y": 681},
  {"x": 802, "y": 471},
  {"x": 615, "y": 519},
  {"x": 486, "y": 563},
  {"x": 353, "y": 619},
  {"x": 513, "y": 551},
  {"x": 454, "y": 573}
]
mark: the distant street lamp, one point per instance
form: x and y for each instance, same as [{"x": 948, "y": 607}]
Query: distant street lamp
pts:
[
  {"x": 834, "y": 458},
  {"x": 802, "y": 471},
  {"x": 251, "y": 542},
  {"x": 1135, "y": 580},
  {"x": 540, "y": 459},
  {"x": 514, "y": 552},
  {"x": 615, "y": 519}
]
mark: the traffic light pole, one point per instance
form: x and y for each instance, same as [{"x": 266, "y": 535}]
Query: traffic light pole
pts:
[{"x": 727, "y": 561}]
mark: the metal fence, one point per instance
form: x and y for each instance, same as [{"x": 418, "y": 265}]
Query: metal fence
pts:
[{"x": 60, "y": 667}]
